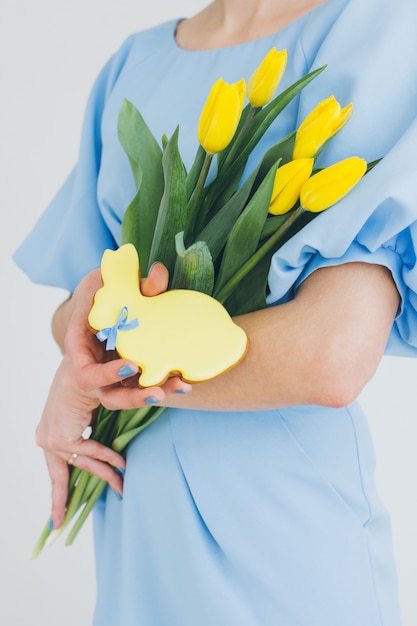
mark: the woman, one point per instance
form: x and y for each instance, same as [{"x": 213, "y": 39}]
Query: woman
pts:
[{"x": 251, "y": 500}]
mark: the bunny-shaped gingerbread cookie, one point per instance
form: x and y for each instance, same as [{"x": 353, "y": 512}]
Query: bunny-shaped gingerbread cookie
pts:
[{"x": 179, "y": 332}]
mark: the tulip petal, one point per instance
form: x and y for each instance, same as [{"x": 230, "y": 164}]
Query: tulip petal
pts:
[
  {"x": 266, "y": 78},
  {"x": 331, "y": 184},
  {"x": 220, "y": 115},
  {"x": 289, "y": 179},
  {"x": 322, "y": 123}
]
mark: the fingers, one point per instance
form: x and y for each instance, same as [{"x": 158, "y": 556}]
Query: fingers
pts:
[
  {"x": 104, "y": 380},
  {"x": 102, "y": 471},
  {"x": 132, "y": 396},
  {"x": 156, "y": 282},
  {"x": 176, "y": 385},
  {"x": 92, "y": 376},
  {"x": 120, "y": 397},
  {"x": 59, "y": 474},
  {"x": 92, "y": 451},
  {"x": 91, "y": 457}
]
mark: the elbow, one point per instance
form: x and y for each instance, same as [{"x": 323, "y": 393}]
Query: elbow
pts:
[
  {"x": 340, "y": 380},
  {"x": 337, "y": 395}
]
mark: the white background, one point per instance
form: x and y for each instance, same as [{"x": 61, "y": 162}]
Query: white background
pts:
[{"x": 50, "y": 53}]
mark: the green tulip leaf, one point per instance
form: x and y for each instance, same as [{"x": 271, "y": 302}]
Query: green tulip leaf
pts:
[
  {"x": 145, "y": 157},
  {"x": 280, "y": 152},
  {"x": 372, "y": 164},
  {"x": 139, "y": 144},
  {"x": 272, "y": 224},
  {"x": 245, "y": 235},
  {"x": 164, "y": 141},
  {"x": 252, "y": 290},
  {"x": 194, "y": 266},
  {"x": 195, "y": 170},
  {"x": 173, "y": 207},
  {"x": 218, "y": 229}
]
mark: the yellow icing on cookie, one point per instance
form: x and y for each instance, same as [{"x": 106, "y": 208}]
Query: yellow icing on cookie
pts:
[{"x": 180, "y": 331}]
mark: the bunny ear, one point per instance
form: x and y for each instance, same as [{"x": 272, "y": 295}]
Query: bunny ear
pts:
[
  {"x": 121, "y": 266},
  {"x": 120, "y": 290}
]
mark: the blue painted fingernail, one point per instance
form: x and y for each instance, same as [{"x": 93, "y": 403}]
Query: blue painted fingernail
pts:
[
  {"x": 182, "y": 392},
  {"x": 151, "y": 400},
  {"x": 126, "y": 370},
  {"x": 51, "y": 524},
  {"x": 118, "y": 495},
  {"x": 121, "y": 471}
]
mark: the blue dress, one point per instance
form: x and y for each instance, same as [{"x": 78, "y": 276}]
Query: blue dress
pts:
[{"x": 256, "y": 518}]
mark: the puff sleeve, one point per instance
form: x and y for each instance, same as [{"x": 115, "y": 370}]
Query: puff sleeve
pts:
[
  {"x": 69, "y": 238},
  {"x": 377, "y": 221}
]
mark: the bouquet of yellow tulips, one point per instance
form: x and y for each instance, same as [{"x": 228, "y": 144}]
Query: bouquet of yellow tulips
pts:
[{"x": 218, "y": 235}]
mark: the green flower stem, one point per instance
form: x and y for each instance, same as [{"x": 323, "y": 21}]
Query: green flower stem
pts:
[
  {"x": 105, "y": 426},
  {"x": 122, "y": 440},
  {"x": 73, "y": 479},
  {"x": 41, "y": 541},
  {"x": 101, "y": 484},
  {"x": 240, "y": 136},
  {"x": 130, "y": 419},
  {"x": 85, "y": 488},
  {"x": 274, "y": 241},
  {"x": 80, "y": 493},
  {"x": 94, "y": 486},
  {"x": 195, "y": 199}
]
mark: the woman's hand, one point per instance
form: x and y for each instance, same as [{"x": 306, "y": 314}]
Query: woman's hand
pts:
[
  {"x": 99, "y": 370},
  {"x": 67, "y": 413},
  {"x": 87, "y": 377}
]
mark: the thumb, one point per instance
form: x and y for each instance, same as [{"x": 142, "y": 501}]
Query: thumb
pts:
[{"x": 156, "y": 282}]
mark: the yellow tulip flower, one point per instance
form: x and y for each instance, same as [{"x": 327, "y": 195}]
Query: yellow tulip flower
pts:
[
  {"x": 266, "y": 78},
  {"x": 324, "y": 121},
  {"x": 220, "y": 115},
  {"x": 331, "y": 184},
  {"x": 288, "y": 182}
]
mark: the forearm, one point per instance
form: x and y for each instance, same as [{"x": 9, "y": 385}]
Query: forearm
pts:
[
  {"x": 264, "y": 379},
  {"x": 279, "y": 370},
  {"x": 320, "y": 348},
  {"x": 75, "y": 307},
  {"x": 60, "y": 321}
]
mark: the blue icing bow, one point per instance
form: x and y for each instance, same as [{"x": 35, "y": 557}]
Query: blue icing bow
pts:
[{"x": 122, "y": 324}]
